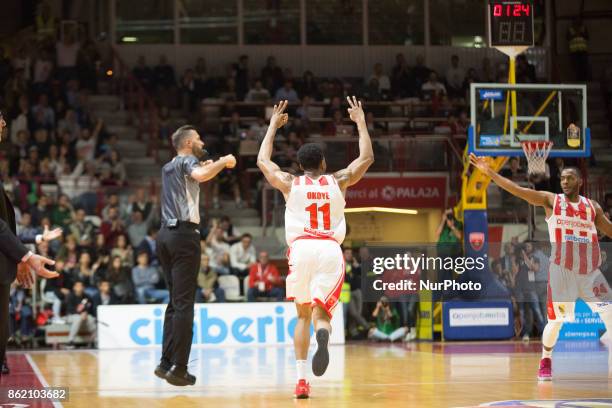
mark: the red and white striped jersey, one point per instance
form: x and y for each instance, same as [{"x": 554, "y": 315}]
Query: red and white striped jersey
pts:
[
  {"x": 573, "y": 235},
  {"x": 315, "y": 208}
]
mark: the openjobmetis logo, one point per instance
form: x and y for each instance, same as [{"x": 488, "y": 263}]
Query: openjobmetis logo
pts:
[{"x": 476, "y": 240}]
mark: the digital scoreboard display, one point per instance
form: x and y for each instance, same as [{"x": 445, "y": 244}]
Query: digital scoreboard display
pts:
[{"x": 511, "y": 23}]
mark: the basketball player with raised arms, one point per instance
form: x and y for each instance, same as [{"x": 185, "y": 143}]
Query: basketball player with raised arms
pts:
[
  {"x": 314, "y": 229},
  {"x": 573, "y": 221}
]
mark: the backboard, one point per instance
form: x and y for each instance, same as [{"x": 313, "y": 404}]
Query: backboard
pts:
[{"x": 542, "y": 112}]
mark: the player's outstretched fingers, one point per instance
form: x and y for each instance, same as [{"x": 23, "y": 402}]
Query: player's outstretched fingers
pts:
[{"x": 350, "y": 102}]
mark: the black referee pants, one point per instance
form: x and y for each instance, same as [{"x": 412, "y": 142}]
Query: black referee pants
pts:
[
  {"x": 5, "y": 290},
  {"x": 179, "y": 251}
]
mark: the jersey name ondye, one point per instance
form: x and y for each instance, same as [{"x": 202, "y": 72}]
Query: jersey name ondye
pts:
[{"x": 315, "y": 208}]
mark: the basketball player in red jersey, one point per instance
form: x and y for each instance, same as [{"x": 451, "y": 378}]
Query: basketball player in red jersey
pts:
[
  {"x": 573, "y": 221},
  {"x": 315, "y": 228}
]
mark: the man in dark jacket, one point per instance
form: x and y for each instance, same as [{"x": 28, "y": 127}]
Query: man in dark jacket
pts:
[{"x": 16, "y": 261}]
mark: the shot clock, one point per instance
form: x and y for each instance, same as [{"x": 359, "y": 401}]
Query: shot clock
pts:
[{"x": 511, "y": 23}]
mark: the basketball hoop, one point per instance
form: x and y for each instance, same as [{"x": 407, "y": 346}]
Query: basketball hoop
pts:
[{"x": 536, "y": 152}]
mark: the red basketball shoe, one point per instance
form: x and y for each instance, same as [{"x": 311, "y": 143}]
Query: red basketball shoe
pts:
[
  {"x": 302, "y": 389},
  {"x": 545, "y": 371}
]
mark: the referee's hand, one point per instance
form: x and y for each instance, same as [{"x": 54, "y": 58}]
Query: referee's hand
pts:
[{"x": 230, "y": 161}]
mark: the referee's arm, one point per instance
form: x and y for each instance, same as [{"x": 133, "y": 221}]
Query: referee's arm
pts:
[{"x": 208, "y": 171}]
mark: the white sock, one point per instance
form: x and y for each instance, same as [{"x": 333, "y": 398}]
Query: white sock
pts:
[
  {"x": 302, "y": 368},
  {"x": 549, "y": 337}
]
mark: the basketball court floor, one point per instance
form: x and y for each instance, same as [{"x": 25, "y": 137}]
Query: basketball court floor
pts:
[{"x": 360, "y": 374}]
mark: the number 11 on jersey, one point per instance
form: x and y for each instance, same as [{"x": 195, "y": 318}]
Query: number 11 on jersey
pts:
[{"x": 313, "y": 209}]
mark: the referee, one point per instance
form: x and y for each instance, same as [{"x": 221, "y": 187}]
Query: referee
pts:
[{"x": 178, "y": 246}]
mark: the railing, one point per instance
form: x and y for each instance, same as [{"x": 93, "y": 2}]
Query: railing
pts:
[{"x": 139, "y": 104}]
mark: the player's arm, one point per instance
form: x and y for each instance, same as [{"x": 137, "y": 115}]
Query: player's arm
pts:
[
  {"x": 210, "y": 169},
  {"x": 540, "y": 198},
  {"x": 355, "y": 171},
  {"x": 272, "y": 172},
  {"x": 601, "y": 222}
]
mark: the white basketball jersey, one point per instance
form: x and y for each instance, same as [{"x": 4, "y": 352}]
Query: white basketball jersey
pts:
[
  {"x": 315, "y": 209},
  {"x": 573, "y": 235}
]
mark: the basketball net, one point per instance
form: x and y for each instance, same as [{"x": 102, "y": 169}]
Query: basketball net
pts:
[{"x": 537, "y": 152}]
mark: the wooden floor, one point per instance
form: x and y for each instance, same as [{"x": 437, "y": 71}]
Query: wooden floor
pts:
[{"x": 361, "y": 374}]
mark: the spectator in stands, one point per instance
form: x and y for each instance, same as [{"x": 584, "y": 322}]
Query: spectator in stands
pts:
[
  {"x": 200, "y": 75},
  {"x": 227, "y": 182},
  {"x": 533, "y": 251},
  {"x": 229, "y": 94},
  {"x": 81, "y": 229},
  {"x": 143, "y": 73},
  {"x": 87, "y": 60},
  {"x": 372, "y": 91},
  {"x": 420, "y": 72},
  {"x": 149, "y": 245},
  {"x": 112, "y": 227},
  {"x": 208, "y": 286},
  {"x": 86, "y": 145},
  {"x": 68, "y": 253},
  {"x": 272, "y": 75},
  {"x": 118, "y": 275},
  {"x": 43, "y": 68},
  {"x": 286, "y": 93},
  {"x": 455, "y": 77},
  {"x": 526, "y": 292},
  {"x": 375, "y": 128},
  {"x": 145, "y": 277},
  {"x": 63, "y": 212},
  {"x": 66, "y": 56},
  {"x": 449, "y": 237},
  {"x": 257, "y": 93},
  {"x": 514, "y": 172},
  {"x": 164, "y": 79},
  {"x": 308, "y": 86},
  {"x": 25, "y": 230},
  {"x": 433, "y": 89},
  {"x": 387, "y": 322},
  {"x": 21, "y": 123},
  {"x": 104, "y": 297},
  {"x": 331, "y": 129},
  {"x": 84, "y": 272},
  {"x": 258, "y": 129},
  {"x": 45, "y": 111},
  {"x": 242, "y": 255},
  {"x": 5, "y": 68},
  {"x": 123, "y": 251},
  {"x": 114, "y": 202},
  {"x": 264, "y": 280},
  {"x": 220, "y": 260},
  {"x": 100, "y": 249},
  {"x": 241, "y": 75},
  {"x": 188, "y": 89},
  {"x": 56, "y": 290},
  {"x": 384, "y": 84},
  {"x": 140, "y": 202},
  {"x": 137, "y": 230},
  {"x": 117, "y": 167},
  {"x": 504, "y": 276},
  {"x": 41, "y": 210},
  {"x": 233, "y": 130},
  {"x": 353, "y": 309},
  {"x": 20, "y": 313},
  {"x": 79, "y": 313},
  {"x": 402, "y": 80}
]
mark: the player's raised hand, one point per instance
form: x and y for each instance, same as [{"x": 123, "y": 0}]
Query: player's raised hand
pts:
[
  {"x": 481, "y": 163},
  {"x": 355, "y": 110},
  {"x": 279, "y": 117}
]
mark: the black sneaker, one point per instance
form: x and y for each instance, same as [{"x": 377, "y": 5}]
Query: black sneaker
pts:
[
  {"x": 162, "y": 369},
  {"x": 320, "y": 360},
  {"x": 180, "y": 377}
]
